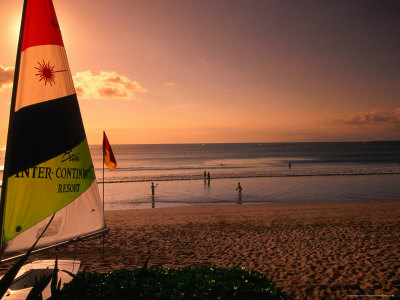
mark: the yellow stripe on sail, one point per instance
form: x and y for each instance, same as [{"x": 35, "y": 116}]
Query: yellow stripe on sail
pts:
[{"x": 44, "y": 189}]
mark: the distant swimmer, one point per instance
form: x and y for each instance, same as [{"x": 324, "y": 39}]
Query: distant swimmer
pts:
[
  {"x": 153, "y": 187},
  {"x": 239, "y": 188}
]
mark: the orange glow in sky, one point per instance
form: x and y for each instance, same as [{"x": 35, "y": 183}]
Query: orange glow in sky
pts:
[{"x": 178, "y": 71}]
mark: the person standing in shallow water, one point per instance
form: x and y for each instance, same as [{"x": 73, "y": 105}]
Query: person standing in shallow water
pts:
[
  {"x": 208, "y": 177},
  {"x": 239, "y": 189},
  {"x": 205, "y": 175},
  {"x": 153, "y": 187}
]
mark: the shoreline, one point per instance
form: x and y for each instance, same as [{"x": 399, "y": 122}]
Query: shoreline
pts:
[
  {"x": 392, "y": 171},
  {"x": 314, "y": 250}
]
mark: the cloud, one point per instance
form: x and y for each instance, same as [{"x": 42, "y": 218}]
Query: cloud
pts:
[
  {"x": 374, "y": 117},
  {"x": 6, "y": 77},
  {"x": 106, "y": 85},
  {"x": 171, "y": 84}
]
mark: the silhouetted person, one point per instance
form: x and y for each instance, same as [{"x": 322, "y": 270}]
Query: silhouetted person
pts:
[
  {"x": 205, "y": 175},
  {"x": 239, "y": 189},
  {"x": 290, "y": 164},
  {"x": 208, "y": 178},
  {"x": 153, "y": 187}
]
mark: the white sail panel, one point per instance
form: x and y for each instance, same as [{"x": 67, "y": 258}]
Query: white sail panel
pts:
[
  {"x": 82, "y": 216},
  {"x": 44, "y": 75}
]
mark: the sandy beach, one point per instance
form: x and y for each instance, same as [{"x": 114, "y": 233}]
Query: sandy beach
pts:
[{"x": 310, "y": 250}]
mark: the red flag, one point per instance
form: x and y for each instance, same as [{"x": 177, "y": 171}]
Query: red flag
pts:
[{"x": 108, "y": 155}]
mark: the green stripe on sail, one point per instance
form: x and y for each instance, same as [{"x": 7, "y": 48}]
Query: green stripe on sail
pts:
[{"x": 40, "y": 191}]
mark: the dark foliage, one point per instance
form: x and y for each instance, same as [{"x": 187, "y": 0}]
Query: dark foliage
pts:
[{"x": 178, "y": 283}]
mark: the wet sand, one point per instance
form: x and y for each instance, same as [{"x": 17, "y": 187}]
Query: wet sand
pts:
[{"x": 313, "y": 250}]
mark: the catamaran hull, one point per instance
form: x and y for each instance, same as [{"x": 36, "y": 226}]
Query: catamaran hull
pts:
[{"x": 32, "y": 272}]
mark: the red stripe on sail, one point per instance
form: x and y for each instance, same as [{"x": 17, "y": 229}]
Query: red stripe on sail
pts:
[{"x": 41, "y": 25}]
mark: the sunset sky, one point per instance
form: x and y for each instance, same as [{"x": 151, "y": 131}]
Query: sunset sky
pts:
[{"x": 201, "y": 71}]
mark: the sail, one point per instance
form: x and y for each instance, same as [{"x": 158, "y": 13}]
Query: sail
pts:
[{"x": 48, "y": 167}]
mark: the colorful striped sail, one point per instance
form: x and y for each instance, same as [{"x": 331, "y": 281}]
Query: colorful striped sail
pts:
[{"x": 48, "y": 168}]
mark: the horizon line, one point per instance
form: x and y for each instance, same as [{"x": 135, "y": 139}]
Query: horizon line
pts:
[{"x": 260, "y": 143}]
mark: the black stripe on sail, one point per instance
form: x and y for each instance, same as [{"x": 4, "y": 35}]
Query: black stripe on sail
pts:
[{"x": 45, "y": 130}]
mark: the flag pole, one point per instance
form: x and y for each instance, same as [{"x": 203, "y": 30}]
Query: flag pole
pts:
[
  {"x": 103, "y": 171},
  {"x": 103, "y": 187},
  {"x": 103, "y": 191},
  {"x": 109, "y": 159}
]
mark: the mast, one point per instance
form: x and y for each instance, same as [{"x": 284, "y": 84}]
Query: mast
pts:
[{"x": 10, "y": 127}]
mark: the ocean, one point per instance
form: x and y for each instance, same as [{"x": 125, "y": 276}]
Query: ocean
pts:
[{"x": 267, "y": 172}]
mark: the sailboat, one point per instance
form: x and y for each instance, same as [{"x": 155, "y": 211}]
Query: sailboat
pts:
[{"x": 48, "y": 170}]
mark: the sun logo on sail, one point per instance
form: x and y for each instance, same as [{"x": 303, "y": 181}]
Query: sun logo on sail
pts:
[{"x": 47, "y": 73}]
